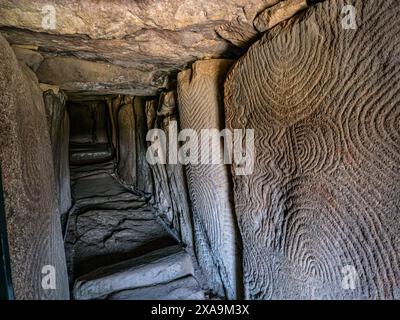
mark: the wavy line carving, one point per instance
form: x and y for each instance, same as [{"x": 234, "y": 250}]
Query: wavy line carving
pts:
[
  {"x": 324, "y": 103},
  {"x": 200, "y": 107}
]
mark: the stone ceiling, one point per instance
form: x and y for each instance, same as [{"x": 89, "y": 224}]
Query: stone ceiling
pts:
[{"x": 123, "y": 46}]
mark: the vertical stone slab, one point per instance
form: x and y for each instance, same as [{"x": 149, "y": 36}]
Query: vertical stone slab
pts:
[
  {"x": 131, "y": 123},
  {"x": 170, "y": 195},
  {"x": 201, "y": 107},
  {"x": 58, "y": 123},
  {"x": 34, "y": 229},
  {"x": 319, "y": 216},
  {"x": 113, "y": 106},
  {"x": 127, "y": 145},
  {"x": 143, "y": 171}
]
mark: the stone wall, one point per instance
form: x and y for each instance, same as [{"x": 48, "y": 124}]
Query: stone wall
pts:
[
  {"x": 129, "y": 139},
  {"x": 34, "y": 229},
  {"x": 58, "y": 123},
  {"x": 319, "y": 216},
  {"x": 170, "y": 196}
]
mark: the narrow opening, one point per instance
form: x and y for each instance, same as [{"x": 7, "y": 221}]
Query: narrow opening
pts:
[{"x": 112, "y": 220}]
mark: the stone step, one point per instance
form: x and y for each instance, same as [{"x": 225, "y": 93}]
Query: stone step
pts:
[
  {"x": 159, "y": 266},
  {"x": 97, "y": 238},
  {"x": 107, "y": 203},
  {"x": 186, "y": 288},
  {"x": 108, "y": 165},
  {"x": 102, "y": 189},
  {"x": 97, "y": 185},
  {"x": 91, "y": 153}
]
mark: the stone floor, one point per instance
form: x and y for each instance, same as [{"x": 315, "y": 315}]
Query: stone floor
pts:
[{"x": 115, "y": 246}]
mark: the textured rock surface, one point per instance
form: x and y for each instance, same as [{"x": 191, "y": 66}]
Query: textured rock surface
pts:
[
  {"x": 284, "y": 10},
  {"x": 170, "y": 197},
  {"x": 155, "y": 37},
  {"x": 240, "y": 31},
  {"x": 201, "y": 107},
  {"x": 158, "y": 266},
  {"x": 108, "y": 223},
  {"x": 58, "y": 123},
  {"x": 81, "y": 77},
  {"x": 34, "y": 230},
  {"x": 322, "y": 206},
  {"x": 130, "y": 130},
  {"x": 152, "y": 39},
  {"x": 143, "y": 180},
  {"x": 31, "y": 58},
  {"x": 185, "y": 288},
  {"x": 126, "y": 126}
]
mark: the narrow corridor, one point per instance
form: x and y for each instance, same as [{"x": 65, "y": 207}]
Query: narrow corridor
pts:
[{"x": 116, "y": 249}]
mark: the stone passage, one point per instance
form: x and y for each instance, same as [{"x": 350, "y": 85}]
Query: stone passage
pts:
[
  {"x": 116, "y": 248},
  {"x": 319, "y": 215}
]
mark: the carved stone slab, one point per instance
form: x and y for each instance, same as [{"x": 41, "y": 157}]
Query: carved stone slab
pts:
[
  {"x": 201, "y": 107},
  {"x": 319, "y": 216}
]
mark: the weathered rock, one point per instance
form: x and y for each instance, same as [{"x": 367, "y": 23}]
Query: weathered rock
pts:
[
  {"x": 201, "y": 107},
  {"x": 108, "y": 223},
  {"x": 170, "y": 195},
  {"x": 119, "y": 19},
  {"x": 113, "y": 105},
  {"x": 142, "y": 35},
  {"x": 127, "y": 163},
  {"x": 241, "y": 34},
  {"x": 151, "y": 113},
  {"x": 81, "y": 171},
  {"x": 143, "y": 182},
  {"x": 90, "y": 154},
  {"x": 31, "y": 58},
  {"x": 34, "y": 230},
  {"x": 58, "y": 122},
  {"x": 131, "y": 129},
  {"x": 284, "y": 10},
  {"x": 319, "y": 215},
  {"x": 46, "y": 87},
  {"x": 185, "y": 288},
  {"x": 240, "y": 31},
  {"x": 103, "y": 237},
  {"x": 82, "y": 77},
  {"x": 99, "y": 184},
  {"x": 159, "y": 266}
]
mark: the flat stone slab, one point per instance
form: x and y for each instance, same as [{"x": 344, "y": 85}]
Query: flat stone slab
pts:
[
  {"x": 160, "y": 266},
  {"x": 102, "y": 237},
  {"x": 186, "y": 288},
  {"x": 86, "y": 154}
]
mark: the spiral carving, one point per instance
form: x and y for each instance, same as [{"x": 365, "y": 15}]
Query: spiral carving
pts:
[{"x": 324, "y": 195}]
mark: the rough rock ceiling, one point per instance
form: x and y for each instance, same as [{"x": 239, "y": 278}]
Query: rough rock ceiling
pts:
[{"x": 151, "y": 38}]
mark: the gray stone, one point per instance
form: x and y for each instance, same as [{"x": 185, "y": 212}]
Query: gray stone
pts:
[
  {"x": 215, "y": 230},
  {"x": 170, "y": 195},
  {"x": 58, "y": 122},
  {"x": 82, "y": 77},
  {"x": 159, "y": 266},
  {"x": 321, "y": 208},
  {"x": 34, "y": 230},
  {"x": 284, "y": 10},
  {"x": 185, "y": 288},
  {"x": 152, "y": 40}
]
